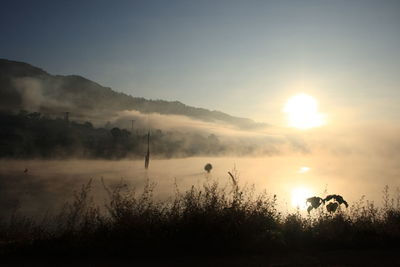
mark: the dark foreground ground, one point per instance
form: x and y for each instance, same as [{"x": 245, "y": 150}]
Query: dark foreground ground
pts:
[{"x": 300, "y": 258}]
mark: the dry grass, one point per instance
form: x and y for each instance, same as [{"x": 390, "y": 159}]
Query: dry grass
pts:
[{"x": 208, "y": 219}]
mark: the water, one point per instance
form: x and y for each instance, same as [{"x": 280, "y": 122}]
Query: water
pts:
[{"x": 48, "y": 184}]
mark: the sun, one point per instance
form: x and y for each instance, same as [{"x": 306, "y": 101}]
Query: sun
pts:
[
  {"x": 299, "y": 197},
  {"x": 302, "y": 112}
]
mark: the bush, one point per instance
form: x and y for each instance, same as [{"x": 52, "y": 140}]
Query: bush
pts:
[{"x": 211, "y": 219}]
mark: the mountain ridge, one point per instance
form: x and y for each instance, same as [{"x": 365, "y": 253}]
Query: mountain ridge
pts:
[{"x": 22, "y": 84}]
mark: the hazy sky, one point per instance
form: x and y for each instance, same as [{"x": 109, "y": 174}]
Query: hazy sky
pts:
[{"x": 242, "y": 57}]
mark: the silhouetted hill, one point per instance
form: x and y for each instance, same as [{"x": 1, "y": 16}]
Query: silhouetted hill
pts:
[{"x": 23, "y": 86}]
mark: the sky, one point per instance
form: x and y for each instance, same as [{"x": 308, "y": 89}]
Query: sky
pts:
[{"x": 245, "y": 58}]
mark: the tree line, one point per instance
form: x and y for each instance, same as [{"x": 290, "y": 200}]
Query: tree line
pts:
[{"x": 34, "y": 135}]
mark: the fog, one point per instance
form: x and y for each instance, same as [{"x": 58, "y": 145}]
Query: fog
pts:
[
  {"x": 49, "y": 184},
  {"x": 348, "y": 157}
]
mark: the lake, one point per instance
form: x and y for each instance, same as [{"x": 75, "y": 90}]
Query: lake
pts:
[{"x": 47, "y": 184}]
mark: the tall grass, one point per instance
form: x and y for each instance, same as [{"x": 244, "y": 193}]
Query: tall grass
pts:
[{"x": 209, "y": 219}]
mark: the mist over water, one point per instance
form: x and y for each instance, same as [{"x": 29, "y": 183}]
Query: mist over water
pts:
[
  {"x": 349, "y": 157},
  {"x": 49, "y": 184}
]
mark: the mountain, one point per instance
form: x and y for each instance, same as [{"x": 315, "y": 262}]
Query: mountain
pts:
[{"x": 23, "y": 86}]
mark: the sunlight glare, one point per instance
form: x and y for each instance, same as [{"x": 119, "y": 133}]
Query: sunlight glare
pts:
[
  {"x": 299, "y": 196},
  {"x": 304, "y": 169},
  {"x": 302, "y": 112}
]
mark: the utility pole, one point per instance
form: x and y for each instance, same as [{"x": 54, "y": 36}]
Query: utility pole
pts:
[{"x": 147, "y": 157}]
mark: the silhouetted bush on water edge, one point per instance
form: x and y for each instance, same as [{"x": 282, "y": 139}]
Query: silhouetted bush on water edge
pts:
[{"x": 209, "y": 220}]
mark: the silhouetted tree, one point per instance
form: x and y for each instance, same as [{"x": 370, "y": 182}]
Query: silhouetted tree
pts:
[{"x": 208, "y": 167}]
